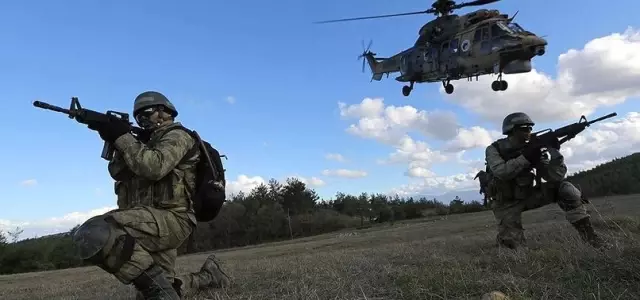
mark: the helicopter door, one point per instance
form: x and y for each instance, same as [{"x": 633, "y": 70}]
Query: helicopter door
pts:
[
  {"x": 454, "y": 52},
  {"x": 481, "y": 41},
  {"x": 403, "y": 65},
  {"x": 445, "y": 56},
  {"x": 434, "y": 57}
]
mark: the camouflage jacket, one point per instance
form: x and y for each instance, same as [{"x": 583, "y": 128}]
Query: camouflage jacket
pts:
[
  {"x": 160, "y": 174},
  {"x": 512, "y": 173}
]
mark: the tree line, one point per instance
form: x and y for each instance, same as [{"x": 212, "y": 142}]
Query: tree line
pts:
[{"x": 278, "y": 211}]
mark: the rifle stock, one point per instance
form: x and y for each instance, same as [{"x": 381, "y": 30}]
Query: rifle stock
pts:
[{"x": 89, "y": 117}]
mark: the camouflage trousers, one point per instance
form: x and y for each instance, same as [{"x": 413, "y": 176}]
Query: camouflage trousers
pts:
[
  {"x": 156, "y": 234},
  {"x": 508, "y": 212}
]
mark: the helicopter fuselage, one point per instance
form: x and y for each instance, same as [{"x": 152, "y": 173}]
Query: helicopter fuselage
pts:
[{"x": 455, "y": 47}]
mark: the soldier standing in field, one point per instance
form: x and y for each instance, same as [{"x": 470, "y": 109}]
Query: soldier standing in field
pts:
[
  {"x": 155, "y": 177},
  {"x": 510, "y": 161},
  {"x": 482, "y": 176}
]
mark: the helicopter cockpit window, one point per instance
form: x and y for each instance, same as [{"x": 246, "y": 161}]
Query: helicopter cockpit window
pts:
[
  {"x": 515, "y": 27},
  {"x": 502, "y": 28}
]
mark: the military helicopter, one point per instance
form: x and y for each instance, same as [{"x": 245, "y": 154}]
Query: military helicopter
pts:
[{"x": 453, "y": 47}]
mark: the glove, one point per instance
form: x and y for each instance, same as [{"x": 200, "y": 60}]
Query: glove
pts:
[
  {"x": 555, "y": 143},
  {"x": 144, "y": 136},
  {"x": 112, "y": 130},
  {"x": 532, "y": 153}
]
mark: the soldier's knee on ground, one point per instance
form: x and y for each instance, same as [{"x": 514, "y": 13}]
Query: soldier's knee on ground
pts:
[
  {"x": 103, "y": 243},
  {"x": 97, "y": 237}
]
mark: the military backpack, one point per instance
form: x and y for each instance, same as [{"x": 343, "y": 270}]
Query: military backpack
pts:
[{"x": 209, "y": 194}]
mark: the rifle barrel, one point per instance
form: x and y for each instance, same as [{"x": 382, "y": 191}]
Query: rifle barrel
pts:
[
  {"x": 611, "y": 115},
  {"x": 48, "y": 106}
]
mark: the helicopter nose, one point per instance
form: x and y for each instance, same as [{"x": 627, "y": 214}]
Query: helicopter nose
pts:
[{"x": 536, "y": 44}]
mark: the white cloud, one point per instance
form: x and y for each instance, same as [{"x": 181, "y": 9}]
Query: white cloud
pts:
[
  {"x": 604, "y": 73},
  {"x": 416, "y": 171},
  {"x": 335, "y": 157},
  {"x": 244, "y": 184},
  {"x": 311, "y": 182},
  {"x": 29, "y": 182},
  {"x": 474, "y": 137},
  {"x": 415, "y": 153},
  {"x": 390, "y": 124},
  {"x": 437, "y": 184},
  {"x": 345, "y": 173},
  {"x": 230, "y": 100}
]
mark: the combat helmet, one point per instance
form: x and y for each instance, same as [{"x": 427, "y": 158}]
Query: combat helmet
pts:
[
  {"x": 151, "y": 98},
  {"x": 514, "y": 120}
]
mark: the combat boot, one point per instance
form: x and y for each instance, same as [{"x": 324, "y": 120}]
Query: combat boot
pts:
[
  {"x": 210, "y": 275},
  {"x": 588, "y": 234},
  {"x": 153, "y": 285}
]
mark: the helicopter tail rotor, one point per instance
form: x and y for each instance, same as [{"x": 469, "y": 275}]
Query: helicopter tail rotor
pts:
[{"x": 365, "y": 53}]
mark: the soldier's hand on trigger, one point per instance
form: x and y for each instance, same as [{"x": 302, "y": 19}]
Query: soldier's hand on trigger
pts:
[
  {"x": 112, "y": 130},
  {"x": 144, "y": 136},
  {"x": 532, "y": 153}
]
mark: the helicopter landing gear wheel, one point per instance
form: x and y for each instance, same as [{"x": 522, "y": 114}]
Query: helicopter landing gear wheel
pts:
[
  {"x": 406, "y": 90},
  {"x": 499, "y": 85},
  {"x": 448, "y": 87}
]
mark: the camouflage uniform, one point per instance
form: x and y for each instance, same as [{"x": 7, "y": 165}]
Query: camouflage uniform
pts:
[
  {"x": 513, "y": 189},
  {"x": 138, "y": 242}
]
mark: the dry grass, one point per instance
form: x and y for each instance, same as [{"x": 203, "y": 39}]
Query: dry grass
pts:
[{"x": 449, "y": 258}]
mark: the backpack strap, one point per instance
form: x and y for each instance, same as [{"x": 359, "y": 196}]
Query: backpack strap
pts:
[
  {"x": 188, "y": 131},
  {"x": 198, "y": 145}
]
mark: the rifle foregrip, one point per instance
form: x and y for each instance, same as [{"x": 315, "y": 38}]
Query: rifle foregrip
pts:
[{"x": 107, "y": 151}]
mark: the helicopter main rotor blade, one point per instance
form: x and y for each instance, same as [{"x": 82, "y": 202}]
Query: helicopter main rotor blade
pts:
[
  {"x": 376, "y": 17},
  {"x": 474, "y": 3}
]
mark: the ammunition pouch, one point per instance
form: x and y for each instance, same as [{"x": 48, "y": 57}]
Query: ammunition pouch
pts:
[{"x": 519, "y": 188}]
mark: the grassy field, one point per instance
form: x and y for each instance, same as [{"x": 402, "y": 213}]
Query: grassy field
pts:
[{"x": 450, "y": 257}]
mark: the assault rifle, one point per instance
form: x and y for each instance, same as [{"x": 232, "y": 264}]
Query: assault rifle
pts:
[
  {"x": 89, "y": 117},
  {"x": 564, "y": 134}
]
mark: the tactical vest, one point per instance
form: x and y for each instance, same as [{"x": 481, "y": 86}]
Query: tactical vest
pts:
[
  {"x": 170, "y": 192},
  {"x": 518, "y": 188}
]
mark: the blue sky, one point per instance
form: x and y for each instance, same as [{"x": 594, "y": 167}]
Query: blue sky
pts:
[{"x": 285, "y": 74}]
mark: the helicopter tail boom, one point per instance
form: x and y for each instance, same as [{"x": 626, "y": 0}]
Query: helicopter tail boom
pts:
[
  {"x": 374, "y": 65},
  {"x": 379, "y": 65}
]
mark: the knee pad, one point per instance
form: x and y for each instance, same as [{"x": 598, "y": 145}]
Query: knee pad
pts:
[
  {"x": 100, "y": 242},
  {"x": 91, "y": 237},
  {"x": 569, "y": 197}
]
